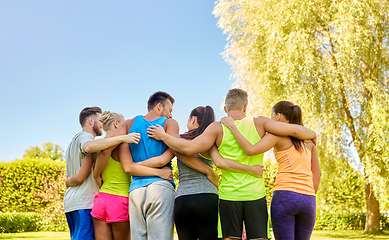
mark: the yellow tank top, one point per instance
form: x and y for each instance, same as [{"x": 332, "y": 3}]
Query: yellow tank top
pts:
[
  {"x": 115, "y": 180},
  {"x": 236, "y": 186},
  {"x": 294, "y": 171}
]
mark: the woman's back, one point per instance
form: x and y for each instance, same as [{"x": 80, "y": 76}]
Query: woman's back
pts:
[
  {"x": 294, "y": 168},
  {"x": 192, "y": 181}
]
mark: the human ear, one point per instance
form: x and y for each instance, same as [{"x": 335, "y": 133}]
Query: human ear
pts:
[
  {"x": 225, "y": 109},
  {"x": 91, "y": 121},
  {"x": 115, "y": 124},
  {"x": 244, "y": 108}
]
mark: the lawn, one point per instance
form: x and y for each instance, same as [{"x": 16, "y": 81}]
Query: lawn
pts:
[{"x": 317, "y": 235}]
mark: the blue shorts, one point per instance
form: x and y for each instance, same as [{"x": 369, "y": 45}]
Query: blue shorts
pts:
[{"x": 80, "y": 225}]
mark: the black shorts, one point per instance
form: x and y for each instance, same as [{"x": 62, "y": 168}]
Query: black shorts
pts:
[
  {"x": 196, "y": 216},
  {"x": 253, "y": 213}
]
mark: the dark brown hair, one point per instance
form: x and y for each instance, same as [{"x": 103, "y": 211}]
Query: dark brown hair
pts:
[
  {"x": 158, "y": 97},
  {"x": 87, "y": 112},
  {"x": 205, "y": 116},
  {"x": 293, "y": 114}
]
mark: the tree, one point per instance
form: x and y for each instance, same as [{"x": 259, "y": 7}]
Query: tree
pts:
[
  {"x": 329, "y": 57},
  {"x": 48, "y": 150}
]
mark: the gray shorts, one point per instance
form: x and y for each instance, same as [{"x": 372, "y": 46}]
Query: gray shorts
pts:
[{"x": 151, "y": 211}]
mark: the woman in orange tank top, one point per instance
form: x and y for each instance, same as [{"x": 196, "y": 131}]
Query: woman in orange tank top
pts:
[{"x": 293, "y": 206}]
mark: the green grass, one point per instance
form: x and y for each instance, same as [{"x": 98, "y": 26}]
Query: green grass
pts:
[
  {"x": 317, "y": 235},
  {"x": 36, "y": 235},
  {"x": 347, "y": 235}
]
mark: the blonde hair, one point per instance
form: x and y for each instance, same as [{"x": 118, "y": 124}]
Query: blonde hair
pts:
[
  {"x": 236, "y": 99},
  {"x": 107, "y": 118}
]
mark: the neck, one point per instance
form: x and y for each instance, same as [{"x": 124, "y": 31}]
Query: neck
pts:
[
  {"x": 151, "y": 115},
  {"x": 109, "y": 133},
  {"x": 89, "y": 129},
  {"x": 236, "y": 114}
]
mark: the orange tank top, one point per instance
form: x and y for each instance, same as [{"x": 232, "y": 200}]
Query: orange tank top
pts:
[{"x": 294, "y": 171}]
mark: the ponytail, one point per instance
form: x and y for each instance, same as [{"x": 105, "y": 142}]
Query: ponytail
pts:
[
  {"x": 292, "y": 113},
  {"x": 205, "y": 116}
]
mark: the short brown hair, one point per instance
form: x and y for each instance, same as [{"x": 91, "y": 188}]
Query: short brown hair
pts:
[
  {"x": 87, "y": 112},
  {"x": 158, "y": 97},
  {"x": 236, "y": 99}
]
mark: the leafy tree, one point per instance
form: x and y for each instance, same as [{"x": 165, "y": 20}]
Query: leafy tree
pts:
[
  {"x": 48, "y": 150},
  {"x": 329, "y": 57}
]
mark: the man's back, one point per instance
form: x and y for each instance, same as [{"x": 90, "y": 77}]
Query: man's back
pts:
[
  {"x": 237, "y": 186},
  {"x": 146, "y": 148},
  {"x": 80, "y": 196}
]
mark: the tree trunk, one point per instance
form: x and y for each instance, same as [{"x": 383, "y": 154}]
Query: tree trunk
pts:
[{"x": 372, "y": 210}]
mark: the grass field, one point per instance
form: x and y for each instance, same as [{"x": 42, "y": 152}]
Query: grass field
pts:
[{"x": 317, "y": 235}]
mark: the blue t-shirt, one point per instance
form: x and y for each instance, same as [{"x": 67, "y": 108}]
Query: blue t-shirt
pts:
[{"x": 146, "y": 148}]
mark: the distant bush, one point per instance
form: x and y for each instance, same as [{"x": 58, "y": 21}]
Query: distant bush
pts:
[
  {"x": 34, "y": 184},
  {"x": 346, "y": 221},
  {"x": 27, "y": 185},
  {"x": 19, "y": 222}
]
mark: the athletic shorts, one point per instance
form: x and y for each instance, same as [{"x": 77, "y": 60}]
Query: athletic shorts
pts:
[
  {"x": 196, "y": 216},
  {"x": 110, "y": 208},
  {"x": 80, "y": 225},
  {"x": 254, "y": 214}
]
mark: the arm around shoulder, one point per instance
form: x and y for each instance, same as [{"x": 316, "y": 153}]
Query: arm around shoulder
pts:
[{"x": 285, "y": 129}]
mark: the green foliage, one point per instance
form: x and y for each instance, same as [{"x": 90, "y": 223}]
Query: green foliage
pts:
[
  {"x": 34, "y": 184},
  {"x": 329, "y": 57},
  {"x": 48, "y": 150},
  {"x": 269, "y": 174},
  {"x": 175, "y": 172},
  {"x": 341, "y": 188},
  {"x": 26, "y": 185},
  {"x": 19, "y": 222},
  {"x": 345, "y": 221}
]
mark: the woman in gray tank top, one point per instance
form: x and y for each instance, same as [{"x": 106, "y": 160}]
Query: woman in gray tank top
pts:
[{"x": 196, "y": 202}]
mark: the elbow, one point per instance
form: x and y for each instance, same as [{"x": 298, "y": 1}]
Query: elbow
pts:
[
  {"x": 218, "y": 163},
  {"x": 128, "y": 169},
  {"x": 87, "y": 148},
  {"x": 250, "y": 153},
  {"x": 79, "y": 180}
]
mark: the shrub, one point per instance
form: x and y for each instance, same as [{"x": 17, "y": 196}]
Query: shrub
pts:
[
  {"x": 22, "y": 183},
  {"x": 34, "y": 184},
  {"x": 19, "y": 222},
  {"x": 345, "y": 221}
]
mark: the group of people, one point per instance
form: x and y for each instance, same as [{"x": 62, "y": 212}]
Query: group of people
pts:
[{"x": 121, "y": 187}]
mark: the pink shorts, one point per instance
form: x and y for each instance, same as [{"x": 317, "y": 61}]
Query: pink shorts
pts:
[{"x": 110, "y": 208}]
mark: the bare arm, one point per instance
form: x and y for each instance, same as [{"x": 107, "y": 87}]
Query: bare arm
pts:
[
  {"x": 200, "y": 144},
  {"x": 228, "y": 164},
  {"x": 198, "y": 165},
  {"x": 158, "y": 161},
  {"x": 81, "y": 175},
  {"x": 265, "y": 144},
  {"x": 104, "y": 155},
  {"x": 138, "y": 170},
  {"x": 315, "y": 168},
  {"x": 101, "y": 144},
  {"x": 286, "y": 129}
]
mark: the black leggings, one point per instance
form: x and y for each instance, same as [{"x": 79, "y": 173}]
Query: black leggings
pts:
[{"x": 196, "y": 216}]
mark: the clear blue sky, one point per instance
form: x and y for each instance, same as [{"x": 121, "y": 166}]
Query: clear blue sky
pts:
[{"x": 57, "y": 57}]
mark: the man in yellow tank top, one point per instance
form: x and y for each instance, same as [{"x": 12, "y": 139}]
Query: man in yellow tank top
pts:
[{"x": 242, "y": 196}]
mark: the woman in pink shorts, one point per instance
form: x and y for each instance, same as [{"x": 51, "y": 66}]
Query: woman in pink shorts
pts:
[{"x": 110, "y": 210}]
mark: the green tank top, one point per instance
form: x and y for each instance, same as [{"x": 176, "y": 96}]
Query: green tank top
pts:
[
  {"x": 115, "y": 180},
  {"x": 236, "y": 186}
]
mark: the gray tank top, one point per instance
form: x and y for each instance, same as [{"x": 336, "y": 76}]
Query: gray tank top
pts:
[{"x": 192, "y": 181}]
